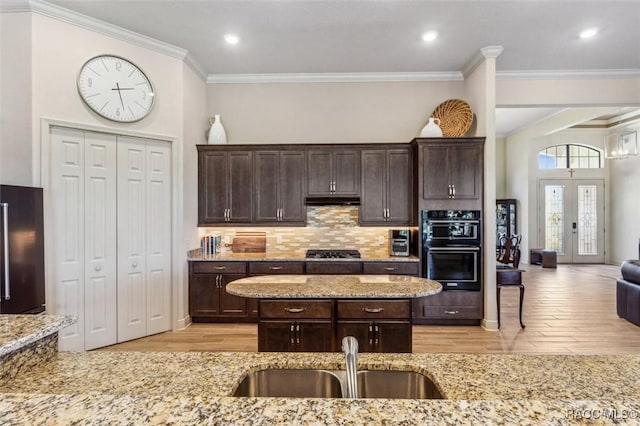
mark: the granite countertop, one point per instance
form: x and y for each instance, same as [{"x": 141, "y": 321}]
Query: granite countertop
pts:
[
  {"x": 291, "y": 256},
  {"x": 333, "y": 286},
  {"x": 195, "y": 388},
  {"x": 19, "y": 331}
]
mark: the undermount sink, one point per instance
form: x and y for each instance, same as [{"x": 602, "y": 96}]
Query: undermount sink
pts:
[
  {"x": 330, "y": 384},
  {"x": 290, "y": 383}
]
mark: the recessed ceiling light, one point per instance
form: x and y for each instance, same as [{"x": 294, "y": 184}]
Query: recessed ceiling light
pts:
[
  {"x": 430, "y": 35},
  {"x": 231, "y": 39},
  {"x": 588, "y": 33}
]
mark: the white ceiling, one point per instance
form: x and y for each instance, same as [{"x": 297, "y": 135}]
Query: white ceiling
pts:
[
  {"x": 347, "y": 36},
  {"x": 384, "y": 36}
]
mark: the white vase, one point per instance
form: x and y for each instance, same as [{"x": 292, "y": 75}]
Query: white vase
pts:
[
  {"x": 432, "y": 129},
  {"x": 217, "y": 134}
]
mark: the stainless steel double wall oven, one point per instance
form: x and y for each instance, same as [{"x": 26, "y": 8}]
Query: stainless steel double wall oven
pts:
[{"x": 452, "y": 248}]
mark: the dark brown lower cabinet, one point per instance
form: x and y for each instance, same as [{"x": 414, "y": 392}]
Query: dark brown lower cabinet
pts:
[
  {"x": 208, "y": 298},
  {"x": 449, "y": 307},
  {"x": 377, "y": 336},
  {"x": 296, "y": 325},
  {"x": 295, "y": 336},
  {"x": 378, "y": 325}
]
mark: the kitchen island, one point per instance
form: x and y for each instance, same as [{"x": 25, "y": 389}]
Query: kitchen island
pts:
[
  {"x": 312, "y": 313},
  {"x": 196, "y": 388}
]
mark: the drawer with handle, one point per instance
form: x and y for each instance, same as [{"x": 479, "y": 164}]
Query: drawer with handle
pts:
[
  {"x": 263, "y": 268},
  {"x": 220, "y": 267},
  {"x": 296, "y": 308},
  {"x": 372, "y": 308},
  {"x": 452, "y": 312},
  {"x": 391, "y": 268}
]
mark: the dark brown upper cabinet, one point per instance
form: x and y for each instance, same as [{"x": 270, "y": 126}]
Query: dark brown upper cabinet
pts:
[
  {"x": 279, "y": 188},
  {"x": 387, "y": 187},
  {"x": 225, "y": 186},
  {"x": 333, "y": 171},
  {"x": 450, "y": 173}
]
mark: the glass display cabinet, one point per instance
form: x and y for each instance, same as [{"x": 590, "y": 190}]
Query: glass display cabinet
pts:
[{"x": 506, "y": 217}]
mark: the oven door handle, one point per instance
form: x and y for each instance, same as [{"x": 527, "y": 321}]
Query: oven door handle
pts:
[
  {"x": 453, "y": 248},
  {"x": 453, "y": 222}
]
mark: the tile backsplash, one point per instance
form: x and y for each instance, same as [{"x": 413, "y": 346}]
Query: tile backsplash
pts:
[{"x": 327, "y": 227}]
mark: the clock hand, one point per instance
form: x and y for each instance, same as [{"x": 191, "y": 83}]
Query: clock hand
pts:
[{"x": 119, "y": 94}]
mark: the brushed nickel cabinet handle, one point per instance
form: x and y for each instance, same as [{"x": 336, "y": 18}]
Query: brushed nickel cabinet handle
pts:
[
  {"x": 5, "y": 248},
  {"x": 295, "y": 310},
  {"x": 390, "y": 268},
  {"x": 220, "y": 268},
  {"x": 373, "y": 310},
  {"x": 275, "y": 268},
  {"x": 451, "y": 312}
]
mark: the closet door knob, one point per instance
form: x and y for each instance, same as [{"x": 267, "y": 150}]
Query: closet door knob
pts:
[
  {"x": 134, "y": 265},
  {"x": 98, "y": 268}
]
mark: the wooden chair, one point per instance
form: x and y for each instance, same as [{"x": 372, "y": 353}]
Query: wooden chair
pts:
[
  {"x": 507, "y": 276},
  {"x": 509, "y": 250}
]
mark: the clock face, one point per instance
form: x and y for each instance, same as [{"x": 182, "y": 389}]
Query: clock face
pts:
[{"x": 115, "y": 88}]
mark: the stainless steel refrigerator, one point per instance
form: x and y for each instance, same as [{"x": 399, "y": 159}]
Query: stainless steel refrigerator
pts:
[{"x": 21, "y": 250}]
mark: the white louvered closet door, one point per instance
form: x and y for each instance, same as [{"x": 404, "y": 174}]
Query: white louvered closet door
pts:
[
  {"x": 144, "y": 232},
  {"x": 83, "y": 211}
]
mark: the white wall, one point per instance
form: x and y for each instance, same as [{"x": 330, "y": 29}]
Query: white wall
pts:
[
  {"x": 195, "y": 123},
  {"x": 522, "y": 166},
  {"x": 57, "y": 51},
  {"x": 569, "y": 92},
  {"x": 624, "y": 229},
  {"x": 15, "y": 99},
  {"x": 327, "y": 112}
]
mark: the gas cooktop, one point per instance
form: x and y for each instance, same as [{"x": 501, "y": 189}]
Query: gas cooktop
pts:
[{"x": 333, "y": 254}]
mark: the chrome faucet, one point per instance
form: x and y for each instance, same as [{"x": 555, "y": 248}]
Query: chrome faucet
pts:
[{"x": 350, "y": 349}]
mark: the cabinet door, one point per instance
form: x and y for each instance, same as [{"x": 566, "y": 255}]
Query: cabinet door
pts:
[
  {"x": 276, "y": 336},
  {"x": 240, "y": 186},
  {"x": 267, "y": 186},
  {"x": 319, "y": 173},
  {"x": 346, "y": 172},
  {"x": 435, "y": 172},
  {"x": 231, "y": 305},
  {"x": 212, "y": 187},
  {"x": 393, "y": 336},
  {"x": 465, "y": 171},
  {"x": 292, "y": 187},
  {"x": 204, "y": 295},
  {"x": 399, "y": 187},
  {"x": 374, "y": 187},
  {"x": 361, "y": 330},
  {"x": 314, "y": 336}
]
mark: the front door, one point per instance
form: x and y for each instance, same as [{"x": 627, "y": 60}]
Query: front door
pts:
[{"x": 572, "y": 219}]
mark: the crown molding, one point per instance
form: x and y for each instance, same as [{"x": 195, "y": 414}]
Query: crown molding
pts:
[
  {"x": 87, "y": 22},
  {"x": 567, "y": 74},
  {"x": 480, "y": 56},
  {"x": 333, "y": 77},
  {"x": 74, "y": 18}
]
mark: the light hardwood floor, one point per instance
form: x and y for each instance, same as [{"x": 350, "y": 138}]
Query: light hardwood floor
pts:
[{"x": 568, "y": 310}]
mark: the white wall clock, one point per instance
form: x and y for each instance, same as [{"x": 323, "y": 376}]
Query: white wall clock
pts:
[{"x": 115, "y": 88}]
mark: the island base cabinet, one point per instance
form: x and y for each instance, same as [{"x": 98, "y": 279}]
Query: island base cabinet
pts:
[
  {"x": 451, "y": 307},
  {"x": 378, "y": 336},
  {"x": 295, "y": 336}
]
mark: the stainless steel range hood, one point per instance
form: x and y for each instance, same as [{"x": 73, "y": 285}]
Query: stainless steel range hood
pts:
[{"x": 335, "y": 200}]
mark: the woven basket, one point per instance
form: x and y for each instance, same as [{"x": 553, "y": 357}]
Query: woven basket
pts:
[{"x": 455, "y": 117}]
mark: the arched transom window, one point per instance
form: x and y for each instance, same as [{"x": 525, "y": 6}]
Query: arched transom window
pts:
[{"x": 569, "y": 156}]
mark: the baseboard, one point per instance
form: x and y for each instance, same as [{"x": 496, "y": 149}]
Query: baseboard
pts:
[
  {"x": 490, "y": 325},
  {"x": 183, "y": 323}
]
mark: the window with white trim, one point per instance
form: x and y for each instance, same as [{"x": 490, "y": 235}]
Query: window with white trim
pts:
[{"x": 569, "y": 156}]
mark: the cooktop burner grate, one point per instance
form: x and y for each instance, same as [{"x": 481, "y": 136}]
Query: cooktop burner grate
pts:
[{"x": 333, "y": 254}]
